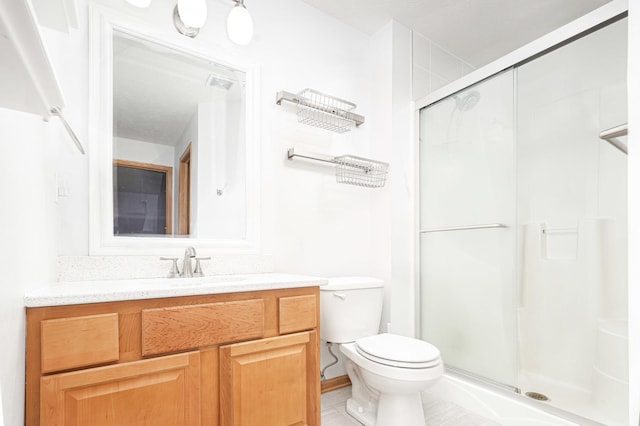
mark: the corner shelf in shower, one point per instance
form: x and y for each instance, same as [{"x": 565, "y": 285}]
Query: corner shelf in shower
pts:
[{"x": 320, "y": 110}]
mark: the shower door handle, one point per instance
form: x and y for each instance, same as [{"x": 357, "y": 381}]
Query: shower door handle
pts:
[{"x": 464, "y": 228}]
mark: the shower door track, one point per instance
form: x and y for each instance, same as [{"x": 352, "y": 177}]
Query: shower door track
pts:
[{"x": 481, "y": 379}]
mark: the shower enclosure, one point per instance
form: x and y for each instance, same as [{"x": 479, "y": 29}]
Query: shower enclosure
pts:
[{"x": 523, "y": 228}]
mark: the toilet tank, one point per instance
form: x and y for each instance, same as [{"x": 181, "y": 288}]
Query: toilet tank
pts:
[{"x": 350, "y": 308}]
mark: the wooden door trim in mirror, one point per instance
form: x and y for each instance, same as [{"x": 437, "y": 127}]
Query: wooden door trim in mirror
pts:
[{"x": 184, "y": 207}]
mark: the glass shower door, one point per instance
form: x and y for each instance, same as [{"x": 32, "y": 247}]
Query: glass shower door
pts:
[
  {"x": 467, "y": 236},
  {"x": 572, "y": 211}
]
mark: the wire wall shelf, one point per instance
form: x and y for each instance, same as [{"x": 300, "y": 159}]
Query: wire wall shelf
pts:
[
  {"x": 324, "y": 111},
  {"x": 350, "y": 169}
]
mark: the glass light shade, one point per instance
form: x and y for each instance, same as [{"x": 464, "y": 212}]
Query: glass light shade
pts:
[
  {"x": 240, "y": 25},
  {"x": 193, "y": 13},
  {"x": 139, "y": 3}
]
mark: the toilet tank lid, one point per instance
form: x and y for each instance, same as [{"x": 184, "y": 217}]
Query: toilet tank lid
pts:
[{"x": 351, "y": 283}]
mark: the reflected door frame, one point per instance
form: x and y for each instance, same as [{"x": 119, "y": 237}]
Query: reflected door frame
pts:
[
  {"x": 184, "y": 193},
  {"x": 168, "y": 172}
]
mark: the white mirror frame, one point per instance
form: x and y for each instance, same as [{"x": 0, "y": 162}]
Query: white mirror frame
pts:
[{"x": 101, "y": 239}]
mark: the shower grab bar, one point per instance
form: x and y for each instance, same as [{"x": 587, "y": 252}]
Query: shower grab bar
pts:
[
  {"x": 464, "y": 228},
  {"x": 611, "y": 134}
]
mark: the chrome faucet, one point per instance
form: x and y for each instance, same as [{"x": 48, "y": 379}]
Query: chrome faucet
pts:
[{"x": 187, "y": 267}]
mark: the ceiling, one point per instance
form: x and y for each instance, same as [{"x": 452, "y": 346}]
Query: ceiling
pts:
[
  {"x": 477, "y": 31},
  {"x": 156, "y": 91}
]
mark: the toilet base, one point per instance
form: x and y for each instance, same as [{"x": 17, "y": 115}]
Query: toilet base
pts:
[
  {"x": 365, "y": 416},
  {"x": 392, "y": 410},
  {"x": 400, "y": 409}
]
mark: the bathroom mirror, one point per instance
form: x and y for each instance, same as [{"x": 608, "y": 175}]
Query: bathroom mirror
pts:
[{"x": 174, "y": 160}]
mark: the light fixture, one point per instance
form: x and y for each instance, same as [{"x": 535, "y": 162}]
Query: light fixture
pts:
[
  {"x": 139, "y": 3},
  {"x": 189, "y": 16},
  {"x": 240, "y": 24}
]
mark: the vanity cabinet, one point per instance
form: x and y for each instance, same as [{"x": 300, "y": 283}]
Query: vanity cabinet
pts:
[{"x": 249, "y": 358}]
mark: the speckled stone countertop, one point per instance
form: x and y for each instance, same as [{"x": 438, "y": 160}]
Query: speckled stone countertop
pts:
[{"x": 79, "y": 292}]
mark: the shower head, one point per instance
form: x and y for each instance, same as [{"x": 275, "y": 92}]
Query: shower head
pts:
[
  {"x": 216, "y": 80},
  {"x": 467, "y": 102}
]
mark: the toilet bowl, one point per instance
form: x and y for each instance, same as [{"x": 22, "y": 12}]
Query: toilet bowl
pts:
[{"x": 388, "y": 372}]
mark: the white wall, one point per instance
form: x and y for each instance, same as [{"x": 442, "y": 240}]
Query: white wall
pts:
[
  {"x": 402, "y": 178},
  {"x": 28, "y": 235},
  {"x": 633, "y": 179},
  {"x": 434, "y": 67},
  {"x": 143, "y": 152},
  {"x": 32, "y": 215}
]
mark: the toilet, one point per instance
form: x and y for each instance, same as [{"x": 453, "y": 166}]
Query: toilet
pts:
[{"x": 388, "y": 372}]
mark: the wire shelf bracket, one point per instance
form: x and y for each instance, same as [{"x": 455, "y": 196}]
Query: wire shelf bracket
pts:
[
  {"x": 350, "y": 169},
  {"x": 320, "y": 110}
]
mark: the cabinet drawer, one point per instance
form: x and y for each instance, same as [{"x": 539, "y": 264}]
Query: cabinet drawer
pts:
[
  {"x": 178, "y": 328},
  {"x": 68, "y": 343},
  {"x": 298, "y": 313}
]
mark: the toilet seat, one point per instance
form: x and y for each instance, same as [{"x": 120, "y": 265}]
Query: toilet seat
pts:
[{"x": 398, "y": 351}]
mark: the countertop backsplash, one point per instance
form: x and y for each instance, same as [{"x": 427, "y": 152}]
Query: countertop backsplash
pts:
[{"x": 92, "y": 268}]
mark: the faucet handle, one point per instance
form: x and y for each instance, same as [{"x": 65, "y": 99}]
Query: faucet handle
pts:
[
  {"x": 198, "y": 271},
  {"x": 174, "y": 272}
]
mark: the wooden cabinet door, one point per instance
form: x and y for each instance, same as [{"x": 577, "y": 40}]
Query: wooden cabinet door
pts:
[
  {"x": 160, "y": 391},
  {"x": 271, "y": 382}
]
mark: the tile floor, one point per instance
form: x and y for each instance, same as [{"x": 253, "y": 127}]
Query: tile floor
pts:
[{"x": 439, "y": 413}]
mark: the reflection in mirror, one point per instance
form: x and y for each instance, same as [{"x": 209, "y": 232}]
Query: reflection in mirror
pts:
[{"x": 178, "y": 143}]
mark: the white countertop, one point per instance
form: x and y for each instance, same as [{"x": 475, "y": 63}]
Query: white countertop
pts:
[{"x": 79, "y": 292}]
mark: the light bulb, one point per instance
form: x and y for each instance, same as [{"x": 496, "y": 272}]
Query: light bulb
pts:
[
  {"x": 193, "y": 13},
  {"x": 139, "y": 3},
  {"x": 240, "y": 25}
]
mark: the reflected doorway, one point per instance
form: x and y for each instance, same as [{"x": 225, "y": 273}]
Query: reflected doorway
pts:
[{"x": 142, "y": 198}]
